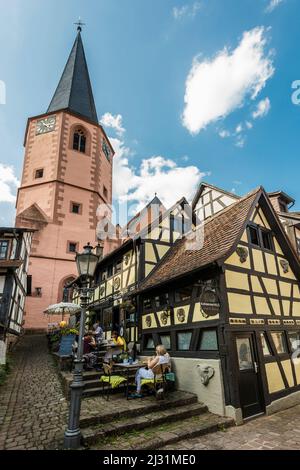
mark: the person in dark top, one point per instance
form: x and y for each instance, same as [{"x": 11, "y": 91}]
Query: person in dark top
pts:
[{"x": 89, "y": 346}]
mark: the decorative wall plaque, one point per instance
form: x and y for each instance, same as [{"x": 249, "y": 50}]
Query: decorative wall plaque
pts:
[
  {"x": 257, "y": 321},
  {"x": 164, "y": 317},
  {"x": 237, "y": 321},
  {"x": 288, "y": 322},
  {"x": 206, "y": 373},
  {"x": 148, "y": 321},
  {"x": 180, "y": 315},
  {"x": 285, "y": 265},
  {"x": 274, "y": 322},
  {"x": 126, "y": 259},
  {"x": 102, "y": 290},
  {"x": 243, "y": 253},
  {"x": 117, "y": 283}
]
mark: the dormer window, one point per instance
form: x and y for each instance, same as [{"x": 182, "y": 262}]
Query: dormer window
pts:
[
  {"x": 260, "y": 237},
  {"x": 282, "y": 206},
  {"x": 79, "y": 140},
  {"x": 254, "y": 237},
  {"x": 266, "y": 238}
]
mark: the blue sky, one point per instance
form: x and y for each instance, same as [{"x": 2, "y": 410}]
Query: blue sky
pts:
[{"x": 189, "y": 90}]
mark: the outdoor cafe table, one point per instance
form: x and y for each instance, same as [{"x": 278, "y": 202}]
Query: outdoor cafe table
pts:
[{"x": 130, "y": 370}]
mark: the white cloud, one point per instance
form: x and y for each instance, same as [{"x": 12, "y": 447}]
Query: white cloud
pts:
[
  {"x": 272, "y": 5},
  {"x": 262, "y": 108},
  {"x": 156, "y": 174},
  {"x": 239, "y": 128},
  {"x": 8, "y": 183},
  {"x": 224, "y": 134},
  {"x": 186, "y": 11},
  {"x": 113, "y": 122},
  {"x": 240, "y": 141},
  {"x": 216, "y": 87},
  {"x": 249, "y": 124}
]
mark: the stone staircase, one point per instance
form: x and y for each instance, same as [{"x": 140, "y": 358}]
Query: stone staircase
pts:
[
  {"x": 145, "y": 423},
  {"x": 92, "y": 386}
]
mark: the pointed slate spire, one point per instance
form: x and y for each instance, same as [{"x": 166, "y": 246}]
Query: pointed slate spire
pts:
[{"x": 74, "y": 91}]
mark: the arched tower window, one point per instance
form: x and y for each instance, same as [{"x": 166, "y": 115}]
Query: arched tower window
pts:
[
  {"x": 79, "y": 140},
  {"x": 65, "y": 293}
]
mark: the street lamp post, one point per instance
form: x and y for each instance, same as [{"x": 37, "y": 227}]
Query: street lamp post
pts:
[{"x": 86, "y": 265}]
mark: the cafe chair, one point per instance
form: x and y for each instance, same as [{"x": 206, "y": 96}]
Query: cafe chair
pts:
[
  {"x": 111, "y": 381},
  {"x": 159, "y": 381}
]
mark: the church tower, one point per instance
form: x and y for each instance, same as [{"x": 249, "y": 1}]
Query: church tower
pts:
[{"x": 67, "y": 174}]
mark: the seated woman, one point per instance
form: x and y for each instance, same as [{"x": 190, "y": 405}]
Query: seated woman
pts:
[
  {"x": 89, "y": 346},
  {"x": 118, "y": 347},
  {"x": 162, "y": 357}
]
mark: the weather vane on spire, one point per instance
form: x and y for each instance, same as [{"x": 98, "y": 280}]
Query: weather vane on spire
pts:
[{"x": 79, "y": 24}]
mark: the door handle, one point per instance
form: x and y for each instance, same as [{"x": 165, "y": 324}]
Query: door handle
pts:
[{"x": 255, "y": 367}]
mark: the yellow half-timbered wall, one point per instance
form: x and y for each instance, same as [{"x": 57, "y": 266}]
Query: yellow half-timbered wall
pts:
[
  {"x": 263, "y": 292},
  {"x": 264, "y": 284},
  {"x": 179, "y": 316},
  {"x": 211, "y": 202},
  {"x": 120, "y": 282},
  {"x": 162, "y": 235}
]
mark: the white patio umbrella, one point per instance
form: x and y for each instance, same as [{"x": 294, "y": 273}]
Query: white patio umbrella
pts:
[{"x": 62, "y": 308}]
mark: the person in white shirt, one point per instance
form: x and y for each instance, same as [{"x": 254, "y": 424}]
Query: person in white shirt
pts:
[
  {"x": 162, "y": 357},
  {"x": 98, "y": 332}
]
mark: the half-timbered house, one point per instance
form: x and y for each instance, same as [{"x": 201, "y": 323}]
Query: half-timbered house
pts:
[
  {"x": 119, "y": 274},
  {"x": 219, "y": 286},
  {"x": 229, "y": 312},
  {"x": 15, "y": 246}
]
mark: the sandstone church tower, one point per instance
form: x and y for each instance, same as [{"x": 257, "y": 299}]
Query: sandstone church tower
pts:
[{"x": 67, "y": 173}]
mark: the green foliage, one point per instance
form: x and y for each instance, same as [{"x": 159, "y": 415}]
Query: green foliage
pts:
[
  {"x": 54, "y": 338},
  {"x": 5, "y": 369},
  {"x": 69, "y": 331},
  {"x": 3, "y": 374}
]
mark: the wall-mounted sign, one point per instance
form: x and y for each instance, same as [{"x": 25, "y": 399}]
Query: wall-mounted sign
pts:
[{"x": 209, "y": 303}]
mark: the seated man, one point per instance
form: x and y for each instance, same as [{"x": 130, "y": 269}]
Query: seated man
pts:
[
  {"x": 162, "y": 357},
  {"x": 118, "y": 346},
  {"x": 89, "y": 346}
]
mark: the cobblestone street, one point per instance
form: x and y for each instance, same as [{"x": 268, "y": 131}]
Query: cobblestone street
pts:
[
  {"x": 33, "y": 409},
  {"x": 280, "y": 431}
]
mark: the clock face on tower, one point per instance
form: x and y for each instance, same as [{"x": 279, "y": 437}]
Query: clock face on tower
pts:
[
  {"x": 45, "y": 125},
  {"x": 106, "y": 149}
]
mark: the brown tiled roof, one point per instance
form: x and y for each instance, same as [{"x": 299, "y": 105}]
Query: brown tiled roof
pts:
[{"x": 220, "y": 233}]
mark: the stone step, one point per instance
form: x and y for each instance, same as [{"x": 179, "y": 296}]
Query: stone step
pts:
[
  {"x": 95, "y": 391},
  {"x": 92, "y": 375},
  {"x": 92, "y": 383},
  {"x": 99, "y": 411},
  {"x": 126, "y": 425},
  {"x": 168, "y": 433}
]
